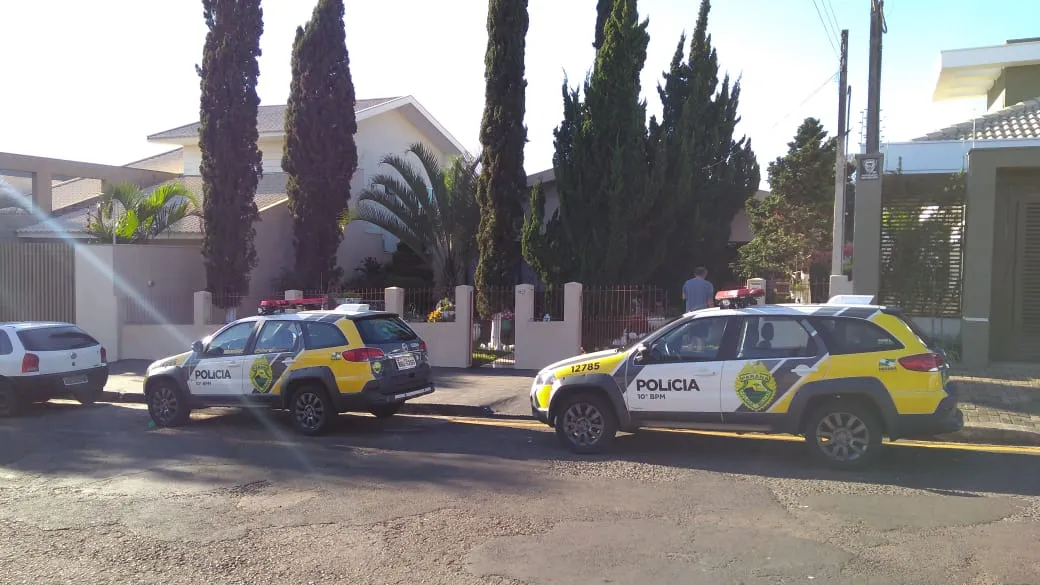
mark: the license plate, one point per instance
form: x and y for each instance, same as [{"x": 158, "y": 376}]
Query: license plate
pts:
[
  {"x": 75, "y": 380},
  {"x": 405, "y": 362},
  {"x": 414, "y": 393}
]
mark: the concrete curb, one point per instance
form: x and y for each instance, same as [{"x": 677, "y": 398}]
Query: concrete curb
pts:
[{"x": 997, "y": 434}]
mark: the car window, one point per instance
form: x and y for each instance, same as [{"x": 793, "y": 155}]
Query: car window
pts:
[
  {"x": 698, "y": 340},
  {"x": 231, "y": 341},
  {"x": 376, "y": 330},
  {"x": 323, "y": 335},
  {"x": 847, "y": 336},
  {"x": 57, "y": 338},
  {"x": 6, "y": 347},
  {"x": 774, "y": 337},
  {"x": 278, "y": 337}
]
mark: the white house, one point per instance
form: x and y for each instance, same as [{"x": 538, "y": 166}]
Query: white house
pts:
[{"x": 385, "y": 126}]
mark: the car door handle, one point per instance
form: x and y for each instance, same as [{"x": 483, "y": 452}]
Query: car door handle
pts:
[
  {"x": 704, "y": 372},
  {"x": 803, "y": 370}
]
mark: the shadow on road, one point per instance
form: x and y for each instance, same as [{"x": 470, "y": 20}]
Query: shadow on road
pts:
[{"x": 106, "y": 440}]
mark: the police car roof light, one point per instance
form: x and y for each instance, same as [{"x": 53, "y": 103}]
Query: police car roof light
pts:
[
  {"x": 352, "y": 308},
  {"x": 851, "y": 300}
]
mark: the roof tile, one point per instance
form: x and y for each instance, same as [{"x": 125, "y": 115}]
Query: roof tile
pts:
[{"x": 1021, "y": 120}]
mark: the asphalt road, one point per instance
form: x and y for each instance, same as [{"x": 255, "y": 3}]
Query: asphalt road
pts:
[{"x": 94, "y": 495}]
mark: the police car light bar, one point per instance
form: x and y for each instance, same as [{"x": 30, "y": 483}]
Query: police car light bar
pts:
[
  {"x": 737, "y": 298},
  {"x": 851, "y": 300},
  {"x": 352, "y": 308}
]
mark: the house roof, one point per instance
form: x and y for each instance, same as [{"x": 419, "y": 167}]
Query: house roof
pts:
[
  {"x": 972, "y": 72},
  {"x": 269, "y": 120},
  {"x": 1021, "y": 120},
  {"x": 270, "y": 191}
]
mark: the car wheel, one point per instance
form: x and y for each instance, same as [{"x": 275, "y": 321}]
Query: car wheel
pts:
[
  {"x": 168, "y": 405},
  {"x": 87, "y": 397},
  {"x": 10, "y": 402},
  {"x": 844, "y": 435},
  {"x": 385, "y": 410},
  {"x": 311, "y": 411},
  {"x": 586, "y": 423}
]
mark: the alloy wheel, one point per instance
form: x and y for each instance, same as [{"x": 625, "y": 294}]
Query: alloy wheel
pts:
[
  {"x": 583, "y": 424},
  {"x": 165, "y": 404},
  {"x": 843, "y": 436},
  {"x": 309, "y": 410}
]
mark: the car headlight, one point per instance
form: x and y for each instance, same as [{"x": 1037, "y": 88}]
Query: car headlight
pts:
[{"x": 544, "y": 379}]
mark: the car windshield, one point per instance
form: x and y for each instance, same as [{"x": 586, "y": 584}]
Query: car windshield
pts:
[
  {"x": 634, "y": 341},
  {"x": 59, "y": 338}
]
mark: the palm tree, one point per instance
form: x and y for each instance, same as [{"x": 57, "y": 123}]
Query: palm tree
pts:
[
  {"x": 128, "y": 214},
  {"x": 431, "y": 210}
]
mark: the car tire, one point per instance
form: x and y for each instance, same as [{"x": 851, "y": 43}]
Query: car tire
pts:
[
  {"x": 844, "y": 434},
  {"x": 586, "y": 423},
  {"x": 88, "y": 397},
  {"x": 386, "y": 410},
  {"x": 311, "y": 411},
  {"x": 11, "y": 403},
  {"x": 168, "y": 405}
]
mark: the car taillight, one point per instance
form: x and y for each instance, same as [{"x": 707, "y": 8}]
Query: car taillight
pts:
[
  {"x": 422, "y": 346},
  {"x": 104, "y": 356},
  {"x": 30, "y": 363},
  {"x": 924, "y": 362},
  {"x": 364, "y": 354}
]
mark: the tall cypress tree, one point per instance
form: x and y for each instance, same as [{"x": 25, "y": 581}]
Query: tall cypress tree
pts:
[
  {"x": 702, "y": 174},
  {"x": 502, "y": 181},
  {"x": 231, "y": 161},
  {"x": 320, "y": 155},
  {"x": 600, "y": 165}
]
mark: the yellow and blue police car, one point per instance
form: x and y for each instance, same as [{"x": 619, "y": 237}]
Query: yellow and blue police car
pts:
[
  {"x": 314, "y": 364},
  {"x": 842, "y": 374}
]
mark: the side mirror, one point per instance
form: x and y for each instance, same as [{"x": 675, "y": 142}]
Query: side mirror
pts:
[
  {"x": 640, "y": 355},
  {"x": 197, "y": 347}
]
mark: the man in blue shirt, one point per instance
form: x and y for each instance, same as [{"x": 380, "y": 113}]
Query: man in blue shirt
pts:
[{"x": 698, "y": 292}]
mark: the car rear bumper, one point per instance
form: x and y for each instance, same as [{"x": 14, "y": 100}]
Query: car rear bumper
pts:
[
  {"x": 49, "y": 386},
  {"x": 393, "y": 389},
  {"x": 947, "y": 418}
]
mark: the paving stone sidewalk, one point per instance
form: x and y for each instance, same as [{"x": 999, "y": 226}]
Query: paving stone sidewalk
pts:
[{"x": 1001, "y": 397}]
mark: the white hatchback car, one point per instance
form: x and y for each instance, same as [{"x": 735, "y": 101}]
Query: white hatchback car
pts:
[{"x": 40, "y": 361}]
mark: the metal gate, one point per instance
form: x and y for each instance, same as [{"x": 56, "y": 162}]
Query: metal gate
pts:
[
  {"x": 1026, "y": 287},
  {"x": 37, "y": 281}
]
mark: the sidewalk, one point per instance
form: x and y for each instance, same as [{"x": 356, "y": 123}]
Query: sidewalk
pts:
[{"x": 1001, "y": 405}]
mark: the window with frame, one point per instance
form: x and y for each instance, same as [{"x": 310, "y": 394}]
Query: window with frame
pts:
[
  {"x": 6, "y": 347},
  {"x": 278, "y": 337},
  {"x": 774, "y": 338},
  {"x": 323, "y": 335},
  {"x": 231, "y": 341},
  {"x": 698, "y": 340},
  {"x": 847, "y": 336}
]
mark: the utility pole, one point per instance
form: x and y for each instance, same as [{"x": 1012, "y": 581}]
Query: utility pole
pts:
[
  {"x": 838, "y": 232},
  {"x": 877, "y": 28}
]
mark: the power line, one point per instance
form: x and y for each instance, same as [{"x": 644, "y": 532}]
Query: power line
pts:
[
  {"x": 806, "y": 100},
  {"x": 826, "y": 30},
  {"x": 828, "y": 8}
]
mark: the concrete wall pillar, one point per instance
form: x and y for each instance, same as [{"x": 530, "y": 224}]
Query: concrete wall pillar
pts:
[
  {"x": 524, "y": 307},
  {"x": 203, "y": 307},
  {"x": 464, "y": 323},
  {"x": 757, "y": 284},
  {"x": 98, "y": 310},
  {"x": 572, "y": 305},
  {"x": 393, "y": 297},
  {"x": 978, "y": 256},
  {"x": 42, "y": 196},
  {"x": 866, "y": 244}
]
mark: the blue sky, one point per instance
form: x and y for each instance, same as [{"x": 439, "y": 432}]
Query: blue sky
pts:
[{"x": 89, "y": 80}]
